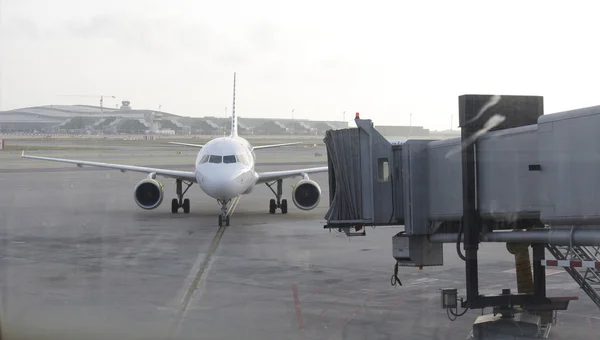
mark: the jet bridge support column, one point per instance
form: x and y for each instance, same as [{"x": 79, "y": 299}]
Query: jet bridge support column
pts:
[
  {"x": 479, "y": 114},
  {"x": 470, "y": 223},
  {"x": 539, "y": 279}
]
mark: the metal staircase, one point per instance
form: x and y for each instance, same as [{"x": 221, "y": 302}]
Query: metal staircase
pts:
[{"x": 587, "y": 278}]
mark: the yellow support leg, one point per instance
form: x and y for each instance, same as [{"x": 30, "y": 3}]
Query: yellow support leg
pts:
[
  {"x": 522, "y": 267},
  {"x": 524, "y": 273}
]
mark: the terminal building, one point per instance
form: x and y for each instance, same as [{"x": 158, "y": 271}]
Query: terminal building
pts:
[{"x": 86, "y": 119}]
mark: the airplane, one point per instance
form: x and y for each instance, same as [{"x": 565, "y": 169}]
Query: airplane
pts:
[{"x": 224, "y": 170}]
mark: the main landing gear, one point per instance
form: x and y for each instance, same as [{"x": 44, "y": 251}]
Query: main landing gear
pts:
[
  {"x": 279, "y": 203},
  {"x": 224, "y": 217},
  {"x": 179, "y": 202}
]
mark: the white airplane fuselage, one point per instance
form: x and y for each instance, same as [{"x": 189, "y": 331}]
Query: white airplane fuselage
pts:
[{"x": 225, "y": 168}]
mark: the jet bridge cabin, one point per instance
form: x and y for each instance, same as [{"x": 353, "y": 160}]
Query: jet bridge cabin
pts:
[{"x": 548, "y": 171}]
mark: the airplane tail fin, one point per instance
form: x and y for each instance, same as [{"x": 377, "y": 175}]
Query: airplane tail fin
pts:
[{"x": 234, "y": 123}]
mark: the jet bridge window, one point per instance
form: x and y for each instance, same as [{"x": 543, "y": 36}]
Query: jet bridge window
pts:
[
  {"x": 229, "y": 159},
  {"x": 215, "y": 159},
  {"x": 383, "y": 169}
]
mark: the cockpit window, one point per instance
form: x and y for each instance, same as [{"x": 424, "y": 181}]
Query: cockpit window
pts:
[
  {"x": 215, "y": 159},
  {"x": 204, "y": 159},
  {"x": 229, "y": 159},
  {"x": 242, "y": 159}
]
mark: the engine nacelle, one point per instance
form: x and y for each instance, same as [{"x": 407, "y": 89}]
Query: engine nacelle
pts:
[
  {"x": 148, "y": 194},
  {"x": 306, "y": 194}
]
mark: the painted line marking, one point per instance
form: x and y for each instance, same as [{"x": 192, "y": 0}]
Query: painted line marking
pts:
[
  {"x": 356, "y": 311},
  {"x": 178, "y": 320},
  {"x": 298, "y": 310},
  {"x": 233, "y": 205}
]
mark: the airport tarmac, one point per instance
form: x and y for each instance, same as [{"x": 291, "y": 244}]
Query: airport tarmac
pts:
[{"x": 79, "y": 259}]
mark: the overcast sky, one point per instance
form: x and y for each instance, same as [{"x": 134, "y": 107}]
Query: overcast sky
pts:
[{"x": 385, "y": 59}]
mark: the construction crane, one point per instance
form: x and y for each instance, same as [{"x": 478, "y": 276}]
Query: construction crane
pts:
[{"x": 90, "y": 96}]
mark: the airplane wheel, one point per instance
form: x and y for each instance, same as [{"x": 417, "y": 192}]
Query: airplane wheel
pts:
[
  {"x": 272, "y": 206},
  {"x": 220, "y": 221},
  {"x": 186, "y": 205},
  {"x": 284, "y": 206},
  {"x": 174, "y": 206},
  {"x": 227, "y": 221}
]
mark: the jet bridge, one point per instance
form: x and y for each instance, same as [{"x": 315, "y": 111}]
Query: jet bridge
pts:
[{"x": 514, "y": 176}]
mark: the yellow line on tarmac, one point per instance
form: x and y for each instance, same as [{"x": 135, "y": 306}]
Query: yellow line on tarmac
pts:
[
  {"x": 176, "y": 325},
  {"x": 233, "y": 205}
]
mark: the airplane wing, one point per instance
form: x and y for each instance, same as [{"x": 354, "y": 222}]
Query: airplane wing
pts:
[
  {"x": 253, "y": 148},
  {"x": 187, "y": 144},
  {"x": 274, "y": 145},
  {"x": 282, "y": 174},
  {"x": 183, "y": 175}
]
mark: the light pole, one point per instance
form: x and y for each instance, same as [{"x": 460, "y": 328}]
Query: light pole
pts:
[
  {"x": 102, "y": 101},
  {"x": 293, "y": 127}
]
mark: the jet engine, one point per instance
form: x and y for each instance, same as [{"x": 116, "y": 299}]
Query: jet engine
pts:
[
  {"x": 148, "y": 193},
  {"x": 306, "y": 194}
]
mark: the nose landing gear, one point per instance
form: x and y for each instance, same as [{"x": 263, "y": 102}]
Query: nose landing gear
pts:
[{"x": 224, "y": 217}]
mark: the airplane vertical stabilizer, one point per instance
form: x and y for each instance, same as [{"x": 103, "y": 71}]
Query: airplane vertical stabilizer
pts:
[{"x": 234, "y": 123}]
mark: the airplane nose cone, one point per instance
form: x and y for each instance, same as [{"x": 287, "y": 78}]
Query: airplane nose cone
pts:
[{"x": 219, "y": 187}]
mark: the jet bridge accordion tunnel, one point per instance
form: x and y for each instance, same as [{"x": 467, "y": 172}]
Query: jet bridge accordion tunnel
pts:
[{"x": 514, "y": 176}]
